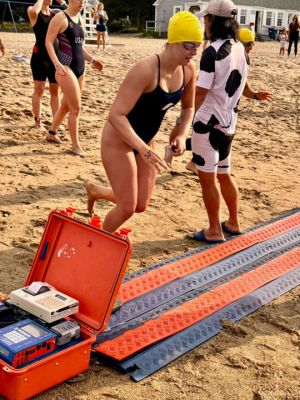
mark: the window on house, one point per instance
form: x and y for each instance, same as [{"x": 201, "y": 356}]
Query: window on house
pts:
[
  {"x": 176, "y": 9},
  {"x": 279, "y": 19},
  {"x": 269, "y": 18},
  {"x": 243, "y": 17}
]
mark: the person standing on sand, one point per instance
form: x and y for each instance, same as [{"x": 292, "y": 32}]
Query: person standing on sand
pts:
[
  {"x": 69, "y": 61},
  {"x": 294, "y": 29},
  {"x": 222, "y": 78},
  {"x": 42, "y": 67},
  {"x": 247, "y": 37},
  {"x": 100, "y": 18},
  {"x": 282, "y": 41},
  {"x": 2, "y": 48},
  {"x": 150, "y": 88}
]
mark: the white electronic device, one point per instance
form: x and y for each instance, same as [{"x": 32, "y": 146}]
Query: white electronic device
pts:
[{"x": 44, "y": 301}]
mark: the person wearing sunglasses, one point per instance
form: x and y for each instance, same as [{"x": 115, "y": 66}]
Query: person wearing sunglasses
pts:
[{"x": 149, "y": 90}]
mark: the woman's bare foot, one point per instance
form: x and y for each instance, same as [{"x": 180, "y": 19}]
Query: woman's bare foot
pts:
[
  {"x": 77, "y": 150},
  {"x": 95, "y": 192},
  {"x": 90, "y": 190},
  {"x": 190, "y": 166},
  {"x": 53, "y": 138}
]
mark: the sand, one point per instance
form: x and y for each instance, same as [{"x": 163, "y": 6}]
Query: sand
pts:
[{"x": 256, "y": 359}]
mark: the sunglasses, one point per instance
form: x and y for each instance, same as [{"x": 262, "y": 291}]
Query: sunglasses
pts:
[
  {"x": 249, "y": 44},
  {"x": 190, "y": 46}
]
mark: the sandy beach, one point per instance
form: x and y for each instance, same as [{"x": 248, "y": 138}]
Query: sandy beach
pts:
[{"x": 256, "y": 359}]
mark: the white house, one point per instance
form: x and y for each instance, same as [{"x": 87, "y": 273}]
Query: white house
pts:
[{"x": 258, "y": 14}]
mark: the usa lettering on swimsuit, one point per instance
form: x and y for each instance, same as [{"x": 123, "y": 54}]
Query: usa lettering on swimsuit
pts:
[{"x": 79, "y": 39}]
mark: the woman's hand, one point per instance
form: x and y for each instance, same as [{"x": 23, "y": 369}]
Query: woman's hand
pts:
[
  {"x": 153, "y": 159},
  {"x": 263, "y": 96},
  {"x": 97, "y": 64},
  {"x": 178, "y": 145},
  {"x": 61, "y": 69}
]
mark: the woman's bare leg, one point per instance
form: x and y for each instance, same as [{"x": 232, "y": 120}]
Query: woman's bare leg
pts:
[
  {"x": 98, "y": 40},
  {"x": 121, "y": 169},
  {"x": 71, "y": 87},
  {"x": 103, "y": 39},
  {"x": 39, "y": 87},
  {"x": 54, "y": 98}
]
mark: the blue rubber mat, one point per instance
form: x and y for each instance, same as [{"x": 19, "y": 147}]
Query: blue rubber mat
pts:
[
  {"x": 155, "y": 312},
  {"x": 202, "y": 248},
  {"x": 159, "y": 355},
  {"x": 151, "y": 300}
]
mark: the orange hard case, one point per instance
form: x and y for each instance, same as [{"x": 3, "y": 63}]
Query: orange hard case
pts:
[{"x": 83, "y": 262}]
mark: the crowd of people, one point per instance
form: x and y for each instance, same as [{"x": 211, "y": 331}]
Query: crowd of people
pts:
[{"x": 208, "y": 102}]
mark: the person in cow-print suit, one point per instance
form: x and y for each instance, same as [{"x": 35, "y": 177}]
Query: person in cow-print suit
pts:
[{"x": 221, "y": 82}]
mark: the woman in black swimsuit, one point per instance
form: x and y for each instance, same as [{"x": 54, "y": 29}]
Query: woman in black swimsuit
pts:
[
  {"x": 42, "y": 67},
  {"x": 69, "y": 61},
  {"x": 151, "y": 87}
]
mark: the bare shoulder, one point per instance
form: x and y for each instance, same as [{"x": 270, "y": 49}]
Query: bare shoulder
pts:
[
  {"x": 59, "y": 22},
  {"x": 190, "y": 72},
  {"x": 145, "y": 67},
  {"x": 59, "y": 16}
]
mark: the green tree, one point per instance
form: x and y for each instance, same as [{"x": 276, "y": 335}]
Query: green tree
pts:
[{"x": 139, "y": 11}]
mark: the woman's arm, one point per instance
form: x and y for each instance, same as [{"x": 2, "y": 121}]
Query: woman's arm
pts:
[
  {"x": 95, "y": 63},
  {"x": 133, "y": 86},
  {"x": 95, "y": 16},
  {"x": 250, "y": 94},
  {"x": 57, "y": 25},
  {"x": 186, "y": 113},
  {"x": 33, "y": 11},
  {"x": 138, "y": 81}
]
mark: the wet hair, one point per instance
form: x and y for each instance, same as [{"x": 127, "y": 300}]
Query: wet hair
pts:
[{"x": 223, "y": 28}]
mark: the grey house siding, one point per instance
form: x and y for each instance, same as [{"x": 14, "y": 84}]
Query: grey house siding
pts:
[
  {"x": 165, "y": 11},
  {"x": 260, "y": 14}
]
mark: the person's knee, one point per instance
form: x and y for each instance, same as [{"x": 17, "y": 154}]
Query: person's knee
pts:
[
  {"x": 53, "y": 91},
  {"x": 38, "y": 91},
  {"x": 127, "y": 211},
  {"x": 75, "y": 110},
  {"x": 207, "y": 178},
  {"x": 224, "y": 177}
]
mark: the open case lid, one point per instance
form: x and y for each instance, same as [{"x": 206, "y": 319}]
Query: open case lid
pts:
[{"x": 83, "y": 262}]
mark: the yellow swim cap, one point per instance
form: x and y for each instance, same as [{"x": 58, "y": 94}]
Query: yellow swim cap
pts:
[
  {"x": 246, "y": 35},
  {"x": 184, "y": 27}
]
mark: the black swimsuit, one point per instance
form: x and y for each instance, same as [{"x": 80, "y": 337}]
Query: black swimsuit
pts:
[
  {"x": 149, "y": 111},
  {"x": 69, "y": 50},
  {"x": 41, "y": 64}
]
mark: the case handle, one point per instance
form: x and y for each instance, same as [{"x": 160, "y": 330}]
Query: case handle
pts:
[
  {"x": 96, "y": 222},
  {"x": 123, "y": 233}
]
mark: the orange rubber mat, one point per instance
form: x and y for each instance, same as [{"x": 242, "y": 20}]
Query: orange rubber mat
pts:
[
  {"x": 169, "y": 272},
  {"x": 201, "y": 307}
]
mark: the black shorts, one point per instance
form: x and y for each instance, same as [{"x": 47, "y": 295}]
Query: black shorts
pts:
[
  {"x": 42, "y": 68},
  {"x": 101, "y": 28}
]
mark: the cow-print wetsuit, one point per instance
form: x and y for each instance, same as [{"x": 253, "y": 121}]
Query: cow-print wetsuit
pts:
[{"x": 223, "y": 71}]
